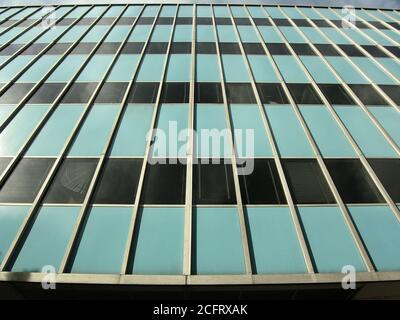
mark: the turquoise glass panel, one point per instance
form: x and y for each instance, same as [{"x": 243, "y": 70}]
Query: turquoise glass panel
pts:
[
  {"x": 218, "y": 246},
  {"x": 313, "y": 35},
  {"x": 372, "y": 70},
  {"x": 78, "y": 11},
  {"x": 318, "y": 69},
  {"x": 67, "y": 69},
  {"x": 172, "y": 121},
  {"x": 133, "y": 130},
  {"x": 262, "y": 69},
  {"x": 247, "y": 117},
  {"x": 205, "y": 33},
  {"x": 211, "y": 118},
  {"x": 391, "y": 65},
  {"x": 207, "y": 68},
  {"x": 270, "y": 34},
  {"x": 151, "y": 68},
  {"x": 5, "y": 110},
  {"x": 12, "y": 68},
  {"x": 29, "y": 35},
  {"x": 95, "y": 131},
  {"x": 183, "y": 33},
  {"x": 392, "y": 35},
  {"x": 328, "y": 13},
  {"x": 95, "y": 34},
  {"x": 124, "y": 68},
  {"x": 96, "y": 11},
  {"x": 161, "y": 33},
  {"x": 326, "y": 132},
  {"x": 292, "y": 13},
  {"x": 226, "y": 33},
  {"x": 10, "y": 34},
  {"x": 289, "y": 135},
  {"x": 221, "y": 12},
  {"x": 357, "y": 37},
  {"x": 204, "y": 11},
  {"x": 248, "y": 34},
  {"x": 140, "y": 33},
  {"x": 73, "y": 34},
  {"x": 150, "y": 11},
  {"x": 159, "y": 245},
  {"x": 96, "y": 68},
  {"x": 331, "y": 243},
  {"x": 47, "y": 240},
  {"x": 389, "y": 118},
  {"x": 379, "y": 38},
  {"x": 274, "y": 12},
  {"x": 380, "y": 231},
  {"x": 114, "y": 11},
  {"x": 51, "y": 34},
  {"x": 103, "y": 241},
  {"x": 54, "y": 134},
  {"x": 346, "y": 71},
  {"x": 367, "y": 136},
  {"x": 256, "y": 12},
  {"x": 168, "y": 11},
  {"x": 310, "y": 13},
  {"x": 234, "y": 68},
  {"x": 335, "y": 36},
  {"x": 117, "y": 34},
  {"x": 38, "y": 69},
  {"x": 274, "y": 244},
  {"x": 292, "y": 35},
  {"x": 238, "y": 12},
  {"x": 185, "y": 11},
  {"x": 179, "y": 67},
  {"x": 11, "y": 218},
  {"x": 13, "y": 137},
  {"x": 133, "y": 11},
  {"x": 290, "y": 69}
]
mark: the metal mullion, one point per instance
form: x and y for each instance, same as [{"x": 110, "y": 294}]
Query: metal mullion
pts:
[
  {"x": 19, "y": 21},
  {"x": 387, "y": 25},
  {"x": 346, "y": 132},
  {"x": 293, "y": 209},
  {"x": 11, "y": 15},
  {"x": 239, "y": 206},
  {"x": 38, "y": 56},
  {"x": 132, "y": 224},
  {"x": 85, "y": 206},
  {"x": 345, "y": 85},
  {"x": 381, "y": 47},
  {"x": 26, "y": 45},
  {"x": 344, "y": 210},
  {"x": 36, "y": 203},
  {"x": 389, "y": 16},
  {"x": 187, "y": 243}
]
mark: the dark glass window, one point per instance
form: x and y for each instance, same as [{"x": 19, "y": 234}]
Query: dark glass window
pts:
[
  {"x": 181, "y": 47},
  {"x": 25, "y": 181},
  {"x": 278, "y": 48},
  {"x": 175, "y": 92},
  {"x": 327, "y": 50},
  {"x": 261, "y": 21},
  {"x": 105, "y": 21},
  {"x": 229, "y": 48},
  {"x": 367, "y": 94},
  {"x": 206, "y": 47},
  {"x": 321, "y": 23},
  {"x": 16, "y": 93},
  {"x": 145, "y": 20},
  {"x": 351, "y": 50},
  {"x": 272, "y": 93},
  {"x": 83, "y": 48},
  {"x": 223, "y": 21},
  {"x": 165, "y": 20},
  {"x": 208, "y": 92},
  {"x": 377, "y": 24},
  {"x": 306, "y": 181},
  {"x": 11, "y": 49},
  {"x": 304, "y": 93},
  {"x": 118, "y": 181},
  {"x": 133, "y": 47},
  {"x": 47, "y": 93},
  {"x": 395, "y": 25},
  {"x": 303, "y": 49},
  {"x": 125, "y": 21},
  {"x": 143, "y": 92},
  {"x": 375, "y": 51},
  {"x": 213, "y": 184},
  {"x": 240, "y": 93},
  {"x": 336, "y": 94},
  {"x": 352, "y": 181},
  {"x": 4, "y": 163},
  {"x": 79, "y": 92},
  {"x": 203, "y": 21},
  {"x": 157, "y": 47},
  {"x": 388, "y": 172},
  {"x": 59, "y": 48},
  {"x": 301, "y": 22},
  {"x": 112, "y": 92},
  {"x": 34, "y": 48},
  {"x": 108, "y": 48},
  {"x": 71, "y": 181},
  {"x": 164, "y": 184},
  {"x": 66, "y": 22},
  {"x": 183, "y": 20},
  {"x": 393, "y": 92},
  {"x": 282, "y": 22},
  {"x": 85, "y": 21},
  {"x": 242, "y": 21},
  {"x": 394, "y": 50},
  {"x": 263, "y": 185},
  {"x": 253, "y": 48}
]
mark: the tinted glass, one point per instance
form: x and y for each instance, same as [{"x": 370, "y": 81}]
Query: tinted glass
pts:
[{"x": 388, "y": 172}]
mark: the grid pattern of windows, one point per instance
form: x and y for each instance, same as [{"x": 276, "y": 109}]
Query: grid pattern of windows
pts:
[{"x": 99, "y": 174}]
